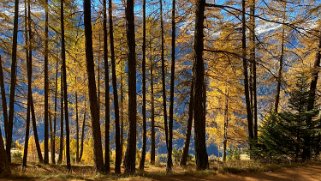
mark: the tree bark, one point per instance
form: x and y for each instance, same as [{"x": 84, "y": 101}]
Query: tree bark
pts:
[
  {"x": 253, "y": 66},
  {"x": 77, "y": 129},
  {"x": 4, "y": 164},
  {"x": 64, "y": 73},
  {"x": 169, "y": 164},
  {"x": 226, "y": 121},
  {"x": 46, "y": 89},
  {"x": 61, "y": 144},
  {"x": 114, "y": 82},
  {"x": 9, "y": 126},
  {"x": 53, "y": 139},
  {"x": 98, "y": 153},
  {"x": 199, "y": 93},
  {"x": 246, "y": 78},
  {"x": 153, "y": 141},
  {"x": 130, "y": 156},
  {"x": 29, "y": 77},
  {"x": 107, "y": 106},
  {"x": 3, "y": 97},
  {"x": 279, "y": 78},
  {"x": 189, "y": 128},
  {"x": 163, "y": 74},
  {"x": 143, "y": 156},
  {"x": 35, "y": 132},
  {"x": 83, "y": 134}
]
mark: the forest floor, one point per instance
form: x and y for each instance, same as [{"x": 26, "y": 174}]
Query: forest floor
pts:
[{"x": 240, "y": 171}]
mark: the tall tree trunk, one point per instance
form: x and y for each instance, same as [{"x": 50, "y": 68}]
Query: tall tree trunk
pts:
[
  {"x": 279, "y": 78},
  {"x": 53, "y": 140},
  {"x": 189, "y": 128},
  {"x": 98, "y": 153},
  {"x": 83, "y": 133},
  {"x": 9, "y": 126},
  {"x": 107, "y": 105},
  {"x": 246, "y": 78},
  {"x": 199, "y": 94},
  {"x": 143, "y": 156},
  {"x": 163, "y": 74},
  {"x": 64, "y": 73},
  {"x": 61, "y": 144},
  {"x": 226, "y": 120},
  {"x": 46, "y": 89},
  {"x": 77, "y": 129},
  {"x": 153, "y": 141},
  {"x": 4, "y": 164},
  {"x": 29, "y": 77},
  {"x": 169, "y": 164},
  {"x": 114, "y": 82},
  {"x": 253, "y": 66},
  {"x": 130, "y": 156},
  {"x": 121, "y": 114}
]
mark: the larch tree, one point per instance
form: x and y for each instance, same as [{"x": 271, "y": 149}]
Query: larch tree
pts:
[
  {"x": 130, "y": 156},
  {"x": 107, "y": 105},
  {"x": 199, "y": 92},
  {"x": 98, "y": 152},
  {"x": 64, "y": 81}
]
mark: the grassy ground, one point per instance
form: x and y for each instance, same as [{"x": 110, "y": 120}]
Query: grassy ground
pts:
[{"x": 239, "y": 170}]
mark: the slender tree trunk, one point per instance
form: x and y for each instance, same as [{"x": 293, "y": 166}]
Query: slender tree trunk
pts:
[
  {"x": 64, "y": 73},
  {"x": 9, "y": 126},
  {"x": 163, "y": 74},
  {"x": 98, "y": 153},
  {"x": 114, "y": 82},
  {"x": 83, "y": 134},
  {"x": 53, "y": 141},
  {"x": 130, "y": 156},
  {"x": 107, "y": 106},
  {"x": 279, "y": 79},
  {"x": 253, "y": 65},
  {"x": 121, "y": 114},
  {"x": 189, "y": 128},
  {"x": 35, "y": 132},
  {"x": 3, "y": 97},
  {"x": 153, "y": 141},
  {"x": 29, "y": 77},
  {"x": 4, "y": 164},
  {"x": 199, "y": 94},
  {"x": 77, "y": 129},
  {"x": 46, "y": 89},
  {"x": 61, "y": 144},
  {"x": 171, "y": 106},
  {"x": 226, "y": 120},
  {"x": 245, "y": 72},
  {"x": 143, "y": 156}
]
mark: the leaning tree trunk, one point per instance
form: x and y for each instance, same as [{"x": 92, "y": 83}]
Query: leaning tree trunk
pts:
[
  {"x": 77, "y": 129},
  {"x": 189, "y": 128},
  {"x": 64, "y": 77},
  {"x": 46, "y": 89},
  {"x": 98, "y": 152},
  {"x": 142, "y": 160},
  {"x": 35, "y": 131},
  {"x": 199, "y": 93},
  {"x": 114, "y": 82},
  {"x": 13, "y": 81},
  {"x": 130, "y": 156},
  {"x": 3, "y": 96}
]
